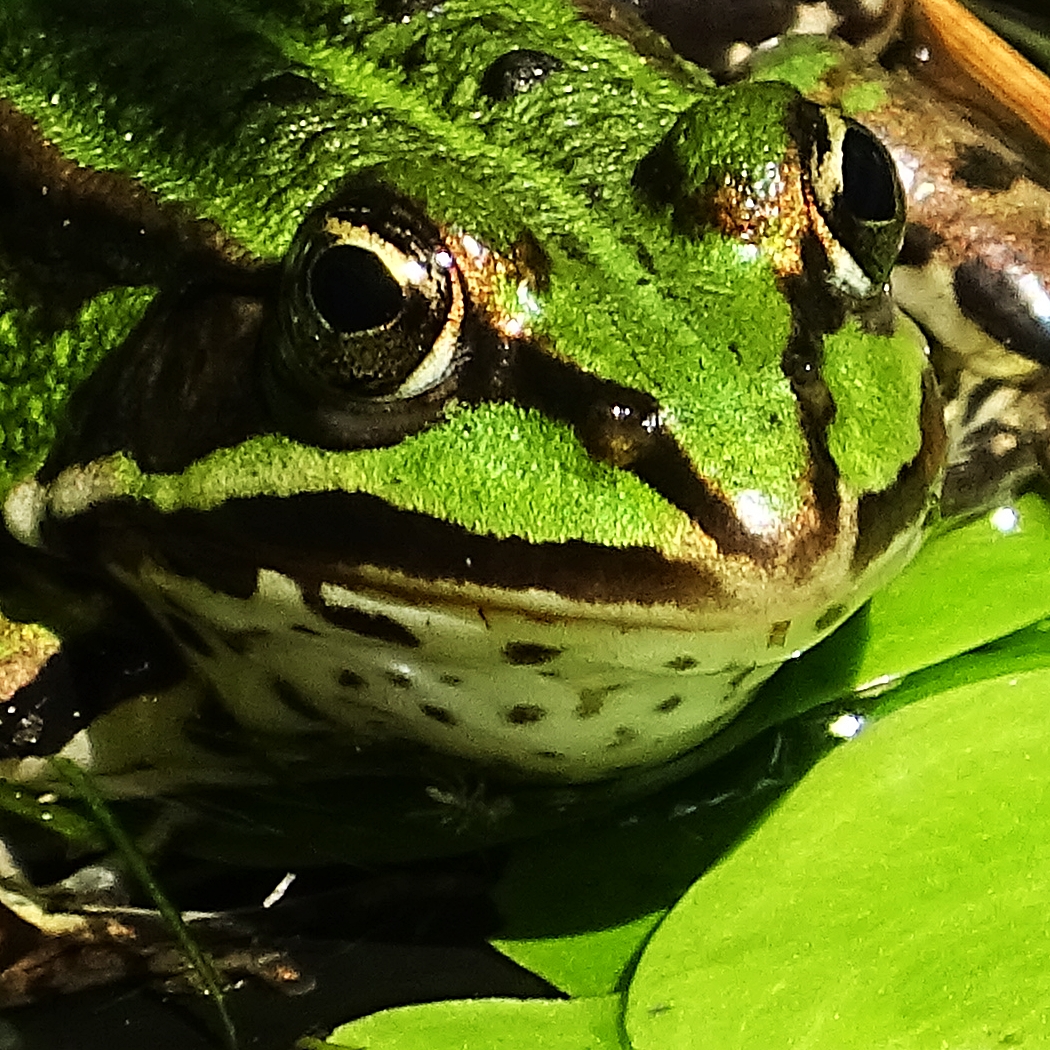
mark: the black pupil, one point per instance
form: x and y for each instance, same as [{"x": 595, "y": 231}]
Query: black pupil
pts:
[
  {"x": 868, "y": 177},
  {"x": 353, "y": 291}
]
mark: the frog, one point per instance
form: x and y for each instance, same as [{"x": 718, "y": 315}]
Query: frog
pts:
[{"x": 450, "y": 390}]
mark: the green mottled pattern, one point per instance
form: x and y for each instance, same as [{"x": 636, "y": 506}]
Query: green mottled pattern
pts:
[
  {"x": 177, "y": 94},
  {"x": 40, "y": 368},
  {"x": 878, "y": 398},
  {"x": 434, "y": 473}
]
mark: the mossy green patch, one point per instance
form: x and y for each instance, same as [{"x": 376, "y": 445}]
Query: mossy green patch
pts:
[
  {"x": 877, "y": 388},
  {"x": 40, "y": 369},
  {"x": 800, "y": 61},
  {"x": 496, "y": 470},
  {"x": 739, "y": 130},
  {"x": 711, "y": 356},
  {"x": 860, "y": 98}
]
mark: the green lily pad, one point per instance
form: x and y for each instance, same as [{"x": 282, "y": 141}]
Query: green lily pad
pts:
[
  {"x": 488, "y": 1024},
  {"x": 966, "y": 587},
  {"x": 897, "y": 898},
  {"x": 589, "y": 963},
  {"x": 580, "y": 904}
]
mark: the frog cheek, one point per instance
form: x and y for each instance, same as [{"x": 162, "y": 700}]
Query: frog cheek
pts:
[{"x": 368, "y": 333}]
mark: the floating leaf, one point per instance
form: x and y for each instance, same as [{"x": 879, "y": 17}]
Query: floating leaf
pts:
[{"x": 897, "y": 898}]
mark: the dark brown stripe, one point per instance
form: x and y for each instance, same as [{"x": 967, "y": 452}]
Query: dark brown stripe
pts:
[
  {"x": 88, "y": 228},
  {"x": 614, "y": 424},
  {"x": 815, "y": 310},
  {"x": 327, "y": 537},
  {"x": 991, "y": 299}
]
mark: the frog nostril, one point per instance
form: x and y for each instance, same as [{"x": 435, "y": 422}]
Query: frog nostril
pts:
[
  {"x": 353, "y": 291},
  {"x": 516, "y": 72}
]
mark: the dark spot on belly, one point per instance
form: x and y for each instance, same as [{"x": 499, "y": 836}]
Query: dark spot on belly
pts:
[
  {"x": 681, "y": 663},
  {"x": 293, "y": 699},
  {"x": 777, "y": 634},
  {"x": 980, "y": 168},
  {"x": 301, "y": 628},
  {"x": 350, "y": 679},
  {"x": 438, "y": 714},
  {"x": 450, "y": 679},
  {"x": 529, "y": 653},
  {"x": 399, "y": 679},
  {"x": 240, "y": 642},
  {"x": 832, "y": 614},
  {"x": 550, "y": 754},
  {"x": 188, "y": 635},
  {"x": 593, "y": 700},
  {"x": 525, "y": 714},
  {"x": 668, "y": 705},
  {"x": 369, "y": 625},
  {"x": 623, "y": 735}
]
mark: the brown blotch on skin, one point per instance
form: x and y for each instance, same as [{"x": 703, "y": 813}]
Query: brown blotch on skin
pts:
[
  {"x": 668, "y": 705},
  {"x": 920, "y": 244},
  {"x": 830, "y": 616},
  {"x": 525, "y": 714},
  {"x": 529, "y": 654},
  {"x": 438, "y": 714},
  {"x": 980, "y": 168},
  {"x": 350, "y": 679},
  {"x": 777, "y": 634}
]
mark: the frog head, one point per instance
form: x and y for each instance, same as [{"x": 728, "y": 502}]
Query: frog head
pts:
[{"x": 466, "y": 381}]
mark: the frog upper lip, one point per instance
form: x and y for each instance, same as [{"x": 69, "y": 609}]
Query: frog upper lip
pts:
[{"x": 331, "y": 537}]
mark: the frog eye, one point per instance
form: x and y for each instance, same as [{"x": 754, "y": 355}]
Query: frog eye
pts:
[
  {"x": 517, "y": 72},
  {"x": 860, "y": 195},
  {"x": 371, "y": 305}
]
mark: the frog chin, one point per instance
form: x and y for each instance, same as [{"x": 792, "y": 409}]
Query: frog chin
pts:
[{"x": 338, "y": 670}]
